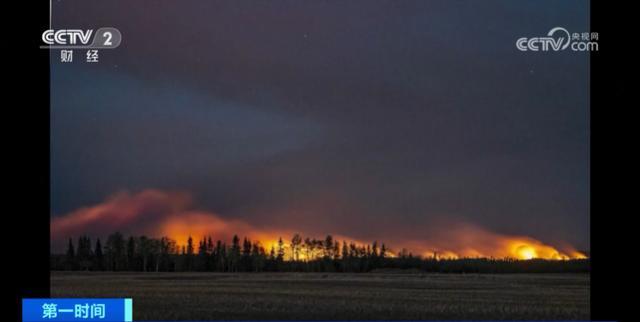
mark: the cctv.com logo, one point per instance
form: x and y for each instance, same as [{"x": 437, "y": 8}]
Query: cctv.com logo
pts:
[{"x": 559, "y": 39}]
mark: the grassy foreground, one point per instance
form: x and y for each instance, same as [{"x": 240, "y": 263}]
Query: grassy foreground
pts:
[{"x": 316, "y": 296}]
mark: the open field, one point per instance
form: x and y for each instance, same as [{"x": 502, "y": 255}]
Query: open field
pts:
[{"x": 315, "y": 296}]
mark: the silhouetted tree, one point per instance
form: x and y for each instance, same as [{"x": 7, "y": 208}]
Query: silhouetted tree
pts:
[
  {"x": 224, "y": 258},
  {"x": 219, "y": 257},
  {"x": 296, "y": 241},
  {"x": 336, "y": 250},
  {"x": 328, "y": 247},
  {"x": 114, "y": 251},
  {"x": 258, "y": 257},
  {"x": 280, "y": 254},
  {"x": 307, "y": 247},
  {"x": 70, "y": 260},
  {"x": 167, "y": 247},
  {"x": 246, "y": 261},
  {"x": 84, "y": 253},
  {"x": 210, "y": 261},
  {"x": 189, "y": 255},
  {"x": 99, "y": 256},
  {"x": 131, "y": 253},
  {"x": 203, "y": 257},
  {"x": 209, "y": 246},
  {"x": 147, "y": 250},
  {"x": 345, "y": 257},
  {"x": 234, "y": 254},
  {"x": 313, "y": 255}
]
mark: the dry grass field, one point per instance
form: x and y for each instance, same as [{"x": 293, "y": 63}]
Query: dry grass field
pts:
[{"x": 311, "y": 296}]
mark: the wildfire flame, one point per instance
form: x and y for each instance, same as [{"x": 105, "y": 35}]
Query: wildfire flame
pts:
[
  {"x": 473, "y": 242},
  {"x": 159, "y": 213},
  {"x": 515, "y": 248}
]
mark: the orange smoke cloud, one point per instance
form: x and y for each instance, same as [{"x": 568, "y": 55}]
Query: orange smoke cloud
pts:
[
  {"x": 155, "y": 213},
  {"x": 120, "y": 211},
  {"x": 159, "y": 213}
]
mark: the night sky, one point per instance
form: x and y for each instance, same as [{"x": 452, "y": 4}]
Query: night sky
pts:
[{"x": 366, "y": 119}]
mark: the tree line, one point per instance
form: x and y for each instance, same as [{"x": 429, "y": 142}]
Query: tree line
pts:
[{"x": 145, "y": 254}]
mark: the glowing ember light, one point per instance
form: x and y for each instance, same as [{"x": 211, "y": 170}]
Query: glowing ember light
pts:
[
  {"x": 578, "y": 255},
  {"x": 526, "y": 252}
]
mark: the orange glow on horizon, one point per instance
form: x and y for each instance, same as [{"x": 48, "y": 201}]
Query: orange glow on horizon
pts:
[
  {"x": 159, "y": 213},
  {"x": 520, "y": 248}
]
